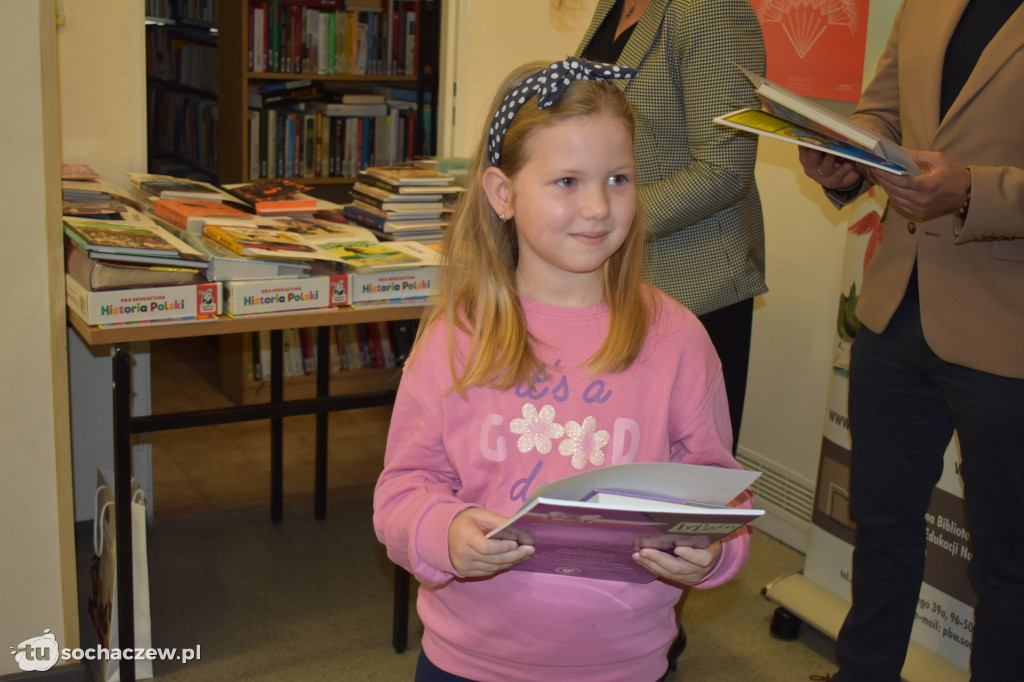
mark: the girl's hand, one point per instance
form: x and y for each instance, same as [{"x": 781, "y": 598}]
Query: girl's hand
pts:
[
  {"x": 472, "y": 554},
  {"x": 686, "y": 566}
]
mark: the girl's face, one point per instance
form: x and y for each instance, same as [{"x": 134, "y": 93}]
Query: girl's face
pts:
[{"x": 573, "y": 202}]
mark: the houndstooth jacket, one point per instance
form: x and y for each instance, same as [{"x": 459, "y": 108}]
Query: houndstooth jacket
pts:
[{"x": 696, "y": 178}]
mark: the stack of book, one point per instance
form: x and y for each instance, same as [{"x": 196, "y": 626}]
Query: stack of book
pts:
[
  {"x": 404, "y": 202},
  {"x": 129, "y": 269},
  {"x": 169, "y": 258}
]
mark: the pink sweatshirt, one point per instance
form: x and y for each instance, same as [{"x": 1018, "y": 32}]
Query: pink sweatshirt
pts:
[{"x": 492, "y": 450}]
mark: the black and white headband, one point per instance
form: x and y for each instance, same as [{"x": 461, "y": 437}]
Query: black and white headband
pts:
[{"x": 549, "y": 85}]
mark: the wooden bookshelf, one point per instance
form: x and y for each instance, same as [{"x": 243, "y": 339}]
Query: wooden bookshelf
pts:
[
  {"x": 181, "y": 89},
  {"x": 236, "y": 383},
  {"x": 236, "y": 79}
]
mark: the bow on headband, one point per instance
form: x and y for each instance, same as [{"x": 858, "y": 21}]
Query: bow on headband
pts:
[{"x": 549, "y": 85}]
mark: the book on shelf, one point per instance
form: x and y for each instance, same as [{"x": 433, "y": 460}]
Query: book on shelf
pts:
[
  {"x": 284, "y": 86},
  {"x": 157, "y": 186},
  {"x": 261, "y": 242},
  {"x": 98, "y": 208},
  {"x": 223, "y": 264},
  {"x": 180, "y": 212},
  {"x": 146, "y": 304},
  {"x": 126, "y": 238},
  {"x": 76, "y": 190},
  {"x": 590, "y": 524},
  {"x": 374, "y": 256},
  {"x": 434, "y": 189},
  {"x": 271, "y": 296},
  {"x": 371, "y": 216},
  {"x": 318, "y": 228},
  {"x": 406, "y": 286},
  {"x": 801, "y": 121},
  {"x": 276, "y": 196},
  {"x": 389, "y": 201},
  {"x": 302, "y": 91},
  {"x": 409, "y": 175},
  {"x": 97, "y": 274},
  {"x": 331, "y": 109},
  {"x": 77, "y": 171},
  {"x": 363, "y": 98}
]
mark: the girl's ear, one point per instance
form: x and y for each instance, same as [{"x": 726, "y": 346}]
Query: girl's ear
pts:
[{"x": 498, "y": 189}]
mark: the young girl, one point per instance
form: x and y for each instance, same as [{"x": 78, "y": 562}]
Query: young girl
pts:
[{"x": 546, "y": 355}]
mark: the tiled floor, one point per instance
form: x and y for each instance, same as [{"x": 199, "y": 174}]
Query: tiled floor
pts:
[{"x": 228, "y": 467}]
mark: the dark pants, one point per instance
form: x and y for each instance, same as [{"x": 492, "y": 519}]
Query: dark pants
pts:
[
  {"x": 729, "y": 329},
  {"x": 904, "y": 403}
]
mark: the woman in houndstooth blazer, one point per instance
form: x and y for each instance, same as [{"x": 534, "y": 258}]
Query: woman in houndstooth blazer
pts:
[{"x": 695, "y": 179}]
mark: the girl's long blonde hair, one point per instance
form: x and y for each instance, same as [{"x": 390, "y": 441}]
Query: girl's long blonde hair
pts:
[{"x": 478, "y": 292}]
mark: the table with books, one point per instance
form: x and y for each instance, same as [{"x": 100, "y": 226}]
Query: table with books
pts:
[{"x": 110, "y": 312}]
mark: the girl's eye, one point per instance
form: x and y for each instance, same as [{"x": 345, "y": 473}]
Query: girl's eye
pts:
[
  {"x": 618, "y": 180},
  {"x": 566, "y": 182}
]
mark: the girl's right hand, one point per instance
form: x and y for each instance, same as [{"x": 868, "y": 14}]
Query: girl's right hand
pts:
[{"x": 472, "y": 554}]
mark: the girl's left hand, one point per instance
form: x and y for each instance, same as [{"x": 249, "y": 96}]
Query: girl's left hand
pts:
[{"x": 687, "y": 565}]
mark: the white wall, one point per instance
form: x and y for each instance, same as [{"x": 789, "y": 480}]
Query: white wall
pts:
[
  {"x": 37, "y": 572},
  {"x": 794, "y": 323}
]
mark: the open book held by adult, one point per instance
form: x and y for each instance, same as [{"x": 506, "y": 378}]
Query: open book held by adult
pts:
[
  {"x": 589, "y": 525},
  {"x": 790, "y": 117}
]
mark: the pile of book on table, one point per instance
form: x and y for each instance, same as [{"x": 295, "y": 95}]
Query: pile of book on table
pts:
[
  {"x": 401, "y": 203},
  {"x": 166, "y": 249}
]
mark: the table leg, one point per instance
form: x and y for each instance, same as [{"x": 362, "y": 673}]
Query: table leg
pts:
[
  {"x": 323, "y": 387},
  {"x": 276, "y": 427},
  {"x": 400, "y": 614},
  {"x": 122, "y": 370}
]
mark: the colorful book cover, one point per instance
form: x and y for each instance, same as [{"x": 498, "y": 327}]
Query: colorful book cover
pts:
[
  {"x": 257, "y": 242},
  {"x": 409, "y": 175},
  {"x": 178, "y": 211},
  {"x": 126, "y": 238}
]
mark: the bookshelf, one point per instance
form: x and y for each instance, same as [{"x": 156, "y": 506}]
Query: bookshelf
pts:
[
  {"x": 181, "y": 87},
  {"x": 243, "y": 386},
  {"x": 240, "y": 74}
]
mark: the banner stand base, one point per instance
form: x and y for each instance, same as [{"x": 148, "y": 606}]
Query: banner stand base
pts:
[{"x": 825, "y": 611}]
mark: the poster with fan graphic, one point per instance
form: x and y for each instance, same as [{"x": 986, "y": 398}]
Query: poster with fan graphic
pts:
[{"x": 815, "y": 47}]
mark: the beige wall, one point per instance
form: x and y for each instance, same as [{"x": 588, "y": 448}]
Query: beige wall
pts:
[
  {"x": 37, "y": 571},
  {"x": 97, "y": 62}
]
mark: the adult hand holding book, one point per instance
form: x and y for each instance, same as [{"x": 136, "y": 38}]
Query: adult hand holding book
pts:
[{"x": 792, "y": 118}]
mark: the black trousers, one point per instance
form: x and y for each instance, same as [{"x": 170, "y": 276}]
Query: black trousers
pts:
[
  {"x": 904, "y": 403},
  {"x": 729, "y": 329}
]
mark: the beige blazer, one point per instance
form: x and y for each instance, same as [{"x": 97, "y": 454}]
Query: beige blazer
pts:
[{"x": 971, "y": 275}]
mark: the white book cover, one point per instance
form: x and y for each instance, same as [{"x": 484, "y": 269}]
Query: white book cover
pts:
[
  {"x": 147, "y": 304},
  {"x": 393, "y": 284},
  {"x": 272, "y": 296}
]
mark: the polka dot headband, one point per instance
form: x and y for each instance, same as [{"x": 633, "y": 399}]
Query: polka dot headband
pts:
[{"x": 549, "y": 85}]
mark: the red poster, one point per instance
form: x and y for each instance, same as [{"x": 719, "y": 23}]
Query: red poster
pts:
[{"x": 815, "y": 47}]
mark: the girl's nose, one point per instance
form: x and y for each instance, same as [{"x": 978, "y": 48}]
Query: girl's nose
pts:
[{"x": 595, "y": 204}]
